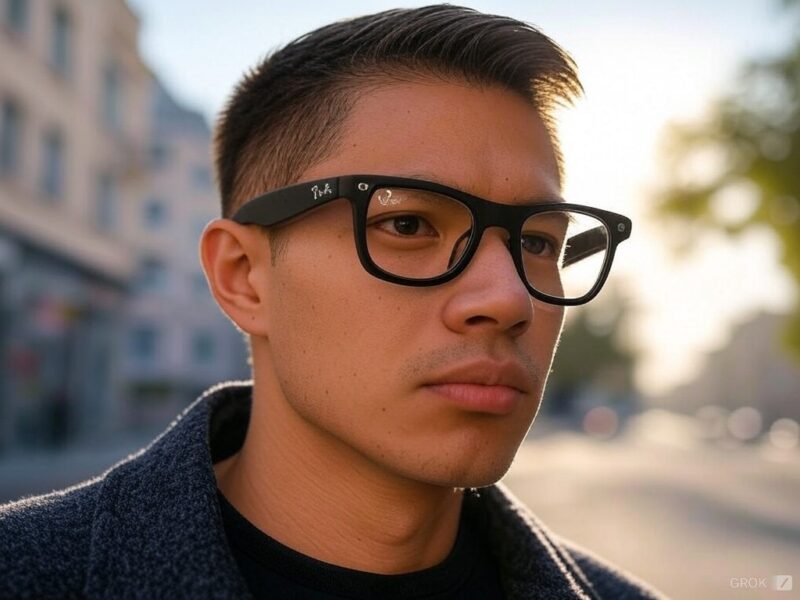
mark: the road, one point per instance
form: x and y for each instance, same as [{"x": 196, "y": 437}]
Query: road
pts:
[
  {"x": 683, "y": 515},
  {"x": 688, "y": 518}
]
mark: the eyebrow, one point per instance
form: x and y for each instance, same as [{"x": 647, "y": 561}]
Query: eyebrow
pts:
[{"x": 442, "y": 181}]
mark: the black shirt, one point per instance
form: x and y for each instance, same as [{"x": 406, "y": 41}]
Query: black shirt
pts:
[{"x": 272, "y": 570}]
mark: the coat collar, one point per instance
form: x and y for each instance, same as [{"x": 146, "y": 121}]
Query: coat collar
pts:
[{"x": 157, "y": 524}]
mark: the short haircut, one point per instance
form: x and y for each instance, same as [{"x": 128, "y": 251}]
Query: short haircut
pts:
[{"x": 286, "y": 113}]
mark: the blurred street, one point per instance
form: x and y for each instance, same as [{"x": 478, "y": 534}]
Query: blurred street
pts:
[
  {"x": 681, "y": 514},
  {"x": 28, "y": 473}
]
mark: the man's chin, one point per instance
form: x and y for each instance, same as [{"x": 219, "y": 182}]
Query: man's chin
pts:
[
  {"x": 481, "y": 480},
  {"x": 462, "y": 477}
]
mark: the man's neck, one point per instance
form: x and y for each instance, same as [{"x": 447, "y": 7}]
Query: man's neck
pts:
[{"x": 311, "y": 492}]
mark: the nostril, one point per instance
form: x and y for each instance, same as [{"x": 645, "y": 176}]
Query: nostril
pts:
[
  {"x": 519, "y": 328},
  {"x": 515, "y": 330},
  {"x": 479, "y": 319}
]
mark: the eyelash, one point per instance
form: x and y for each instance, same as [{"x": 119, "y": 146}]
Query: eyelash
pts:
[
  {"x": 553, "y": 247},
  {"x": 393, "y": 218}
]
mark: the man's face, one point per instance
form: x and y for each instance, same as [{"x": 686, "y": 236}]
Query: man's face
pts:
[{"x": 395, "y": 372}]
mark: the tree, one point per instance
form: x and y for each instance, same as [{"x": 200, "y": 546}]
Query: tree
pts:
[
  {"x": 747, "y": 153},
  {"x": 593, "y": 355}
]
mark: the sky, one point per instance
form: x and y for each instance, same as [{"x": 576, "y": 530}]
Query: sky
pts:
[{"x": 643, "y": 64}]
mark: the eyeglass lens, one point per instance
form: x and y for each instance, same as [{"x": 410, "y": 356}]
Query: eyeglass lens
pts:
[{"x": 418, "y": 234}]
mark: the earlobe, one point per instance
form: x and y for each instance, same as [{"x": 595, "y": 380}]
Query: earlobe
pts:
[{"x": 235, "y": 259}]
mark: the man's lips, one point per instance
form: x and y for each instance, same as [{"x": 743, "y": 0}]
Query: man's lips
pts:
[
  {"x": 484, "y": 386},
  {"x": 473, "y": 397}
]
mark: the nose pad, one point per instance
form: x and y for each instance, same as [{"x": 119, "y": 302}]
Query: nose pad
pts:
[{"x": 458, "y": 248}]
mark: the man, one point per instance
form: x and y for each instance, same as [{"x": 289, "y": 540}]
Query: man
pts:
[{"x": 396, "y": 250}]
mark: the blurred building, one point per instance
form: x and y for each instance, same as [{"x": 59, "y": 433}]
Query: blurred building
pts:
[
  {"x": 752, "y": 369},
  {"x": 177, "y": 341},
  {"x": 74, "y": 97},
  {"x": 105, "y": 184}
]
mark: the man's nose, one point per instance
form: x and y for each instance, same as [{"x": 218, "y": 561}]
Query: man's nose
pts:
[{"x": 489, "y": 293}]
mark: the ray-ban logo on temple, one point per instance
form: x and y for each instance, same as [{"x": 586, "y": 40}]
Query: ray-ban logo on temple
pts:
[{"x": 319, "y": 192}]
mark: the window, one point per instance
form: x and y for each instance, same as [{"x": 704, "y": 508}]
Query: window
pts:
[
  {"x": 198, "y": 226},
  {"x": 155, "y": 213},
  {"x": 107, "y": 202},
  {"x": 201, "y": 177},
  {"x": 203, "y": 349},
  {"x": 60, "y": 41},
  {"x": 52, "y": 175},
  {"x": 159, "y": 155},
  {"x": 17, "y": 12},
  {"x": 199, "y": 283},
  {"x": 111, "y": 102},
  {"x": 144, "y": 343},
  {"x": 10, "y": 137},
  {"x": 153, "y": 275}
]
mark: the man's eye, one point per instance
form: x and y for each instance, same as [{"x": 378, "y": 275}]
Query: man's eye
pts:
[
  {"x": 406, "y": 225},
  {"x": 536, "y": 244}
]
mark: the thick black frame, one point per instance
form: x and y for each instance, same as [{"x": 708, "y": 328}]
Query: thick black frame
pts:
[{"x": 290, "y": 202}]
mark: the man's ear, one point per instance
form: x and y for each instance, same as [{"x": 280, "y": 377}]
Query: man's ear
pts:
[{"x": 236, "y": 261}]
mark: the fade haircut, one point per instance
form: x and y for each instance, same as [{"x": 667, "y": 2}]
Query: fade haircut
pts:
[{"x": 285, "y": 115}]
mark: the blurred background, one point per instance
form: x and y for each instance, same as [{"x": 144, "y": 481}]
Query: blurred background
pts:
[{"x": 668, "y": 440}]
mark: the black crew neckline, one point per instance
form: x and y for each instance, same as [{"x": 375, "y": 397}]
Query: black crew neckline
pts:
[{"x": 445, "y": 578}]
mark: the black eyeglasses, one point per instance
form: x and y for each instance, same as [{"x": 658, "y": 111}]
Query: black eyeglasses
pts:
[{"x": 420, "y": 233}]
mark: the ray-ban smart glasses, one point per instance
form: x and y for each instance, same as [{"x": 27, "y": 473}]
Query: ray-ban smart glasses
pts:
[{"x": 419, "y": 233}]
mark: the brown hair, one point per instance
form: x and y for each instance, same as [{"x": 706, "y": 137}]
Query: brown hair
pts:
[{"x": 285, "y": 114}]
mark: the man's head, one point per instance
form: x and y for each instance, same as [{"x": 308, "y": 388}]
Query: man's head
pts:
[
  {"x": 287, "y": 113},
  {"x": 435, "y": 384}
]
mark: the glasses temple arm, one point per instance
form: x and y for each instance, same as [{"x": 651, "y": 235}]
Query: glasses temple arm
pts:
[
  {"x": 584, "y": 245},
  {"x": 281, "y": 205}
]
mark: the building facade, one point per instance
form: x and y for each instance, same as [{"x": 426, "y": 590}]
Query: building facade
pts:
[
  {"x": 178, "y": 342},
  {"x": 752, "y": 369},
  {"x": 105, "y": 184},
  {"x": 73, "y": 125}
]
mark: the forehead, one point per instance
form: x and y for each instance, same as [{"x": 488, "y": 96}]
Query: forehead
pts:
[{"x": 485, "y": 140}]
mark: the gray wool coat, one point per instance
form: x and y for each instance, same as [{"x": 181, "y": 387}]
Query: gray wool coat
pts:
[{"x": 150, "y": 527}]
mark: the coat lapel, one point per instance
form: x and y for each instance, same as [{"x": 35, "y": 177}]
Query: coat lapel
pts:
[
  {"x": 532, "y": 564},
  {"x": 157, "y": 524}
]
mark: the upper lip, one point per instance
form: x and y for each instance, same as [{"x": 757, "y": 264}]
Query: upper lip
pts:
[{"x": 487, "y": 372}]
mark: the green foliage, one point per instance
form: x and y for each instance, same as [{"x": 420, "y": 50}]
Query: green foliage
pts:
[
  {"x": 591, "y": 355},
  {"x": 740, "y": 168}
]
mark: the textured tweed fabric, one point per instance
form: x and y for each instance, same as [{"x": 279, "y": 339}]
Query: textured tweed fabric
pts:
[{"x": 150, "y": 527}]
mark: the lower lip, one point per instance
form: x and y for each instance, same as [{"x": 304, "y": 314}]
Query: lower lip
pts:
[{"x": 492, "y": 399}]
